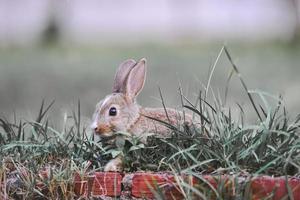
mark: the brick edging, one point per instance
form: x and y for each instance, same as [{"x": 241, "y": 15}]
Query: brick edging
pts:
[{"x": 142, "y": 185}]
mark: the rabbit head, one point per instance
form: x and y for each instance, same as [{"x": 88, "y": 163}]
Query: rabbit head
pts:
[{"x": 119, "y": 110}]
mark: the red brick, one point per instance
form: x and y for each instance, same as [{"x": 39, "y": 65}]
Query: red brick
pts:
[
  {"x": 144, "y": 184},
  {"x": 263, "y": 186},
  {"x": 81, "y": 188},
  {"x": 107, "y": 184}
]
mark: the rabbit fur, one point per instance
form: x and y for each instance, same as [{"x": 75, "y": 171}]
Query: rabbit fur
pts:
[{"x": 129, "y": 116}]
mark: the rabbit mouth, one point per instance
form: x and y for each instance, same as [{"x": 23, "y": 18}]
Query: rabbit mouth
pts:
[{"x": 106, "y": 134}]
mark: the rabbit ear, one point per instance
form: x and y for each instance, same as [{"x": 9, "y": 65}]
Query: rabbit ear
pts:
[
  {"x": 136, "y": 79},
  {"x": 122, "y": 74}
]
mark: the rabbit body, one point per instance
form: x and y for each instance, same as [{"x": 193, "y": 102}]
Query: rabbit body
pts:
[
  {"x": 146, "y": 125},
  {"x": 119, "y": 111}
]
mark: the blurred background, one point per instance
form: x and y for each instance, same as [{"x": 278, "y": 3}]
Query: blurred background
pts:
[{"x": 68, "y": 50}]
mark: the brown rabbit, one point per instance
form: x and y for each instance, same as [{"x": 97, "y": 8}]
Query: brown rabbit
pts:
[{"x": 119, "y": 111}]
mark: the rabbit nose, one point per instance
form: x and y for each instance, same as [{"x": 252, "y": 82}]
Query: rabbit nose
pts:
[
  {"x": 97, "y": 131},
  {"x": 103, "y": 128}
]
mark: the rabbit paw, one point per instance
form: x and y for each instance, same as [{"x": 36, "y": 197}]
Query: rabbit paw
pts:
[{"x": 115, "y": 165}]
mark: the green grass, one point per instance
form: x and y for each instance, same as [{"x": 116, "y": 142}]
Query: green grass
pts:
[{"x": 222, "y": 145}]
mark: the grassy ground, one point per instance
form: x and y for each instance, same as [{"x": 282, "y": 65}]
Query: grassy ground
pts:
[{"x": 269, "y": 143}]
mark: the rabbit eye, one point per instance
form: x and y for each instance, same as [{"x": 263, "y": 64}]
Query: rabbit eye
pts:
[{"x": 112, "y": 111}]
